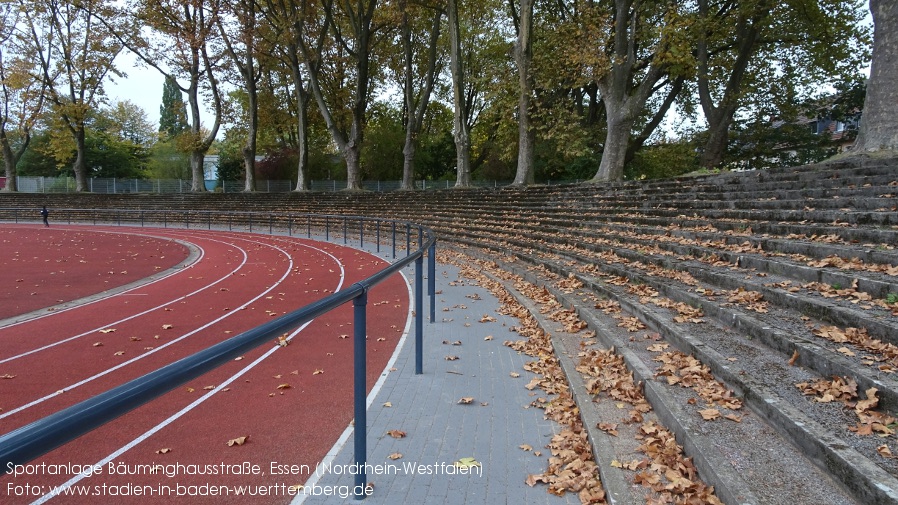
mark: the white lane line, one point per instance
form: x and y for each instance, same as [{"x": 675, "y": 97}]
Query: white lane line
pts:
[
  {"x": 289, "y": 270},
  {"x": 188, "y": 408}
]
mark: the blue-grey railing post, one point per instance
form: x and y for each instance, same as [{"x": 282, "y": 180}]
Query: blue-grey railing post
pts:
[
  {"x": 229, "y": 217},
  {"x": 141, "y": 219},
  {"x": 419, "y": 316},
  {"x": 290, "y": 226},
  {"x": 309, "y": 226},
  {"x": 327, "y": 229},
  {"x": 209, "y": 220},
  {"x": 118, "y": 218},
  {"x": 187, "y": 220},
  {"x": 361, "y": 233},
  {"x": 344, "y": 232},
  {"x": 394, "y": 238},
  {"x": 360, "y": 391},
  {"x": 377, "y": 233},
  {"x": 270, "y": 222},
  {"x": 431, "y": 280},
  {"x": 250, "y": 223},
  {"x": 408, "y": 239}
]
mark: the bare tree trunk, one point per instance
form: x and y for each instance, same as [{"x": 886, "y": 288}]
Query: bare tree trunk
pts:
[
  {"x": 611, "y": 168},
  {"x": 461, "y": 134},
  {"x": 302, "y": 128},
  {"x": 523, "y": 56},
  {"x": 879, "y": 123},
  {"x": 80, "y": 165},
  {"x": 249, "y": 149},
  {"x": 11, "y": 159}
]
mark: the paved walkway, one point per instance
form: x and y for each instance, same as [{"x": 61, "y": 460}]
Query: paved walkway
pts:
[{"x": 438, "y": 430}]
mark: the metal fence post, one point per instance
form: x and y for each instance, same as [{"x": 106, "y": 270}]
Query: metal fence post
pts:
[
  {"x": 344, "y": 232},
  {"x": 377, "y": 233},
  {"x": 327, "y": 229},
  {"x": 394, "y": 239},
  {"x": 419, "y": 316},
  {"x": 361, "y": 233},
  {"x": 360, "y": 432},
  {"x": 431, "y": 280}
]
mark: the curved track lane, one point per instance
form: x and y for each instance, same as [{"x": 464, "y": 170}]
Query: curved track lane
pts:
[{"x": 291, "y": 402}]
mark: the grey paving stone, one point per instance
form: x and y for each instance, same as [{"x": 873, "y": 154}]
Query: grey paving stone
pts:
[{"x": 440, "y": 431}]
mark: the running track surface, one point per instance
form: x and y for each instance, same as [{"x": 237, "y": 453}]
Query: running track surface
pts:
[{"x": 92, "y": 324}]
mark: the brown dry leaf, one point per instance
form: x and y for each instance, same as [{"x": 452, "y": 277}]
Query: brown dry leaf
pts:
[
  {"x": 466, "y": 400},
  {"x": 98, "y": 344},
  {"x": 208, "y": 388},
  {"x": 396, "y": 433},
  {"x": 451, "y": 357},
  {"x": 733, "y": 417},
  {"x": 388, "y": 404},
  {"x": 284, "y": 386},
  {"x": 609, "y": 428},
  {"x": 794, "y": 358},
  {"x": 514, "y": 375},
  {"x": 487, "y": 319},
  {"x": 395, "y": 456},
  {"x": 318, "y": 371},
  {"x": 119, "y": 353},
  {"x": 709, "y": 414},
  {"x": 164, "y": 451},
  {"x": 108, "y": 330},
  {"x": 884, "y": 451},
  {"x": 190, "y": 390},
  {"x": 7, "y": 376},
  {"x": 526, "y": 447},
  {"x": 488, "y": 337},
  {"x": 238, "y": 441},
  {"x": 167, "y": 326},
  {"x": 282, "y": 341}
]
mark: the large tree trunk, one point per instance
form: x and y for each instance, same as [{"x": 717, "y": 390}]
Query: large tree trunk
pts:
[
  {"x": 302, "y": 128},
  {"x": 249, "y": 150},
  {"x": 460, "y": 125},
  {"x": 11, "y": 159},
  {"x": 523, "y": 56},
  {"x": 80, "y": 165},
  {"x": 879, "y": 123},
  {"x": 614, "y": 154},
  {"x": 197, "y": 175},
  {"x": 408, "y": 155}
]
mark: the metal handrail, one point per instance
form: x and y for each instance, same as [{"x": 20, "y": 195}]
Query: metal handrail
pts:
[{"x": 42, "y": 436}]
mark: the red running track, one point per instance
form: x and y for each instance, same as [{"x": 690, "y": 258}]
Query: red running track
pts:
[{"x": 290, "y": 402}]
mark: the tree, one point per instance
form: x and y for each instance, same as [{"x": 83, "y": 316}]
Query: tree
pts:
[
  {"x": 461, "y": 102},
  {"x": 352, "y": 28},
  {"x": 173, "y": 111},
  {"x": 744, "y": 50},
  {"x": 177, "y": 38},
  {"x": 75, "y": 52},
  {"x": 647, "y": 42},
  {"x": 240, "y": 42},
  {"x": 523, "y": 57},
  {"x": 417, "y": 96},
  {"x": 879, "y": 123},
  {"x": 22, "y": 94}
]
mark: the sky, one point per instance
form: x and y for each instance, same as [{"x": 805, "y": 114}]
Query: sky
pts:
[{"x": 143, "y": 86}]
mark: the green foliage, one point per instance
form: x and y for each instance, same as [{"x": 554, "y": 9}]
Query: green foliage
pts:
[
  {"x": 892, "y": 298},
  {"x": 166, "y": 161},
  {"x": 230, "y": 156},
  {"x": 662, "y": 160},
  {"x": 173, "y": 111}
]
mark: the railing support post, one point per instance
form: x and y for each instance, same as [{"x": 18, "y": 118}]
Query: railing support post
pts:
[
  {"x": 431, "y": 280},
  {"x": 360, "y": 432},
  {"x": 419, "y": 316},
  {"x": 394, "y": 239}
]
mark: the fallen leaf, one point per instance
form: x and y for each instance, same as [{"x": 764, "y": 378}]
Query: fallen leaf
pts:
[
  {"x": 318, "y": 372},
  {"x": 167, "y": 326},
  {"x": 164, "y": 451},
  {"x": 451, "y": 357},
  {"x": 709, "y": 414},
  {"x": 388, "y": 404},
  {"x": 488, "y": 337},
  {"x": 396, "y": 433},
  {"x": 237, "y": 441},
  {"x": 514, "y": 375},
  {"x": 108, "y": 330},
  {"x": 526, "y": 447},
  {"x": 467, "y": 463},
  {"x": 466, "y": 400},
  {"x": 794, "y": 358},
  {"x": 395, "y": 456},
  {"x": 284, "y": 386}
]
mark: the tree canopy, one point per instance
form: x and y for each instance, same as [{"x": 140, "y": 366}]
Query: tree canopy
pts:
[{"x": 523, "y": 90}]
